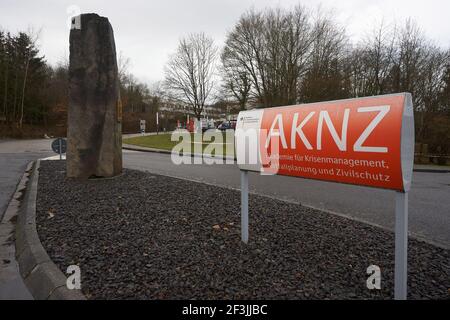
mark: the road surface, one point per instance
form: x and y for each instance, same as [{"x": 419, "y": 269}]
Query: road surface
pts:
[
  {"x": 14, "y": 157},
  {"x": 429, "y": 201}
]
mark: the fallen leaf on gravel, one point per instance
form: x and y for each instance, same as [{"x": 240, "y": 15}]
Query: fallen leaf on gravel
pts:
[
  {"x": 216, "y": 227},
  {"x": 51, "y": 213}
]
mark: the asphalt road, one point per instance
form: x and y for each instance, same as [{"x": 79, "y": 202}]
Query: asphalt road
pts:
[
  {"x": 429, "y": 200},
  {"x": 14, "y": 157}
]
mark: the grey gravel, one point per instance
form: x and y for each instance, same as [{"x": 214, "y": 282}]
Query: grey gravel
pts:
[{"x": 146, "y": 236}]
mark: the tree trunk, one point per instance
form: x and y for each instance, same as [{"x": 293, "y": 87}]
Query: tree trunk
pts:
[
  {"x": 23, "y": 91},
  {"x": 15, "y": 97},
  {"x": 5, "y": 98}
]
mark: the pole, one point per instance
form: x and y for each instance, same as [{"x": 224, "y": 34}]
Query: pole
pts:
[
  {"x": 244, "y": 206},
  {"x": 401, "y": 246},
  {"x": 157, "y": 123},
  {"x": 60, "y": 149}
]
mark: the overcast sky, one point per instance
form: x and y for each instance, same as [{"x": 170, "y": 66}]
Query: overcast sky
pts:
[{"x": 146, "y": 31}]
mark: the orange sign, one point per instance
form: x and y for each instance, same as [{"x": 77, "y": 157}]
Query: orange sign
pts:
[{"x": 365, "y": 141}]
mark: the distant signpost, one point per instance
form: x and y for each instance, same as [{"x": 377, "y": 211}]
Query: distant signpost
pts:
[
  {"x": 157, "y": 123},
  {"x": 59, "y": 146},
  {"x": 142, "y": 126}
]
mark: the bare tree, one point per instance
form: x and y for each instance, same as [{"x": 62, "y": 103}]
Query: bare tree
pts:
[
  {"x": 324, "y": 79},
  {"x": 372, "y": 62},
  {"x": 189, "y": 74},
  {"x": 289, "y": 37},
  {"x": 272, "y": 48},
  {"x": 123, "y": 65},
  {"x": 380, "y": 56},
  {"x": 236, "y": 81},
  {"x": 404, "y": 61},
  {"x": 157, "y": 94},
  {"x": 413, "y": 51}
]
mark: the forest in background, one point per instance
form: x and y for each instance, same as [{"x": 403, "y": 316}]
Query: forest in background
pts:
[
  {"x": 271, "y": 57},
  {"x": 34, "y": 94}
]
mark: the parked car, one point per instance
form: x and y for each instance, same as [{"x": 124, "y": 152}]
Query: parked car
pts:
[
  {"x": 226, "y": 125},
  {"x": 207, "y": 124}
]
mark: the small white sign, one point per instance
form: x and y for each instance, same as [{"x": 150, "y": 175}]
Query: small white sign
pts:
[{"x": 142, "y": 125}]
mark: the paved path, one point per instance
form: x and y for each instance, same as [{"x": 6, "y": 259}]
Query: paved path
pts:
[{"x": 14, "y": 157}]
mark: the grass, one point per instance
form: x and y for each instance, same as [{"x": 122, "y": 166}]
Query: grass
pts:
[
  {"x": 160, "y": 141},
  {"x": 164, "y": 142}
]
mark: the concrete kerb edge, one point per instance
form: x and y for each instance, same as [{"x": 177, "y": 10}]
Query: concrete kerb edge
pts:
[
  {"x": 14, "y": 201},
  {"x": 145, "y": 149},
  {"x": 42, "y": 277},
  {"x": 8, "y": 227},
  {"x": 432, "y": 170}
]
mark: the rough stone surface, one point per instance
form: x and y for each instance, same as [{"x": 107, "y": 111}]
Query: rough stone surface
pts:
[
  {"x": 145, "y": 236},
  {"x": 94, "y": 115}
]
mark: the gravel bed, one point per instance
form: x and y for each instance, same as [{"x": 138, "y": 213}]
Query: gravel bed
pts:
[{"x": 146, "y": 236}]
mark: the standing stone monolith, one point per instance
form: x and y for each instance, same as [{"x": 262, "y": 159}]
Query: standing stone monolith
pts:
[{"x": 94, "y": 133}]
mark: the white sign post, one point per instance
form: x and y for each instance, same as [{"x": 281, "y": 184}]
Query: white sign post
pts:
[
  {"x": 364, "y": 141},
  {"x": 244, "y": 206},
  {"x": 401, "y": 246},
  {"x": 157, "y": 122}
]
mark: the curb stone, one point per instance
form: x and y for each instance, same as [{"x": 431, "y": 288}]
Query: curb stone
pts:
[
  {"x": 431, "y": 170},
  {"x": 145, "y": 149},
  {"x": 193, "y": 155},
  {"x": 12, "y": 286},
  {"x": 42, "y": 277}
]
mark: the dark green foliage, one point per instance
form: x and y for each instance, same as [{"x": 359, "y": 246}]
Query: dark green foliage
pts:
[{"x": 23, "y": 75}]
